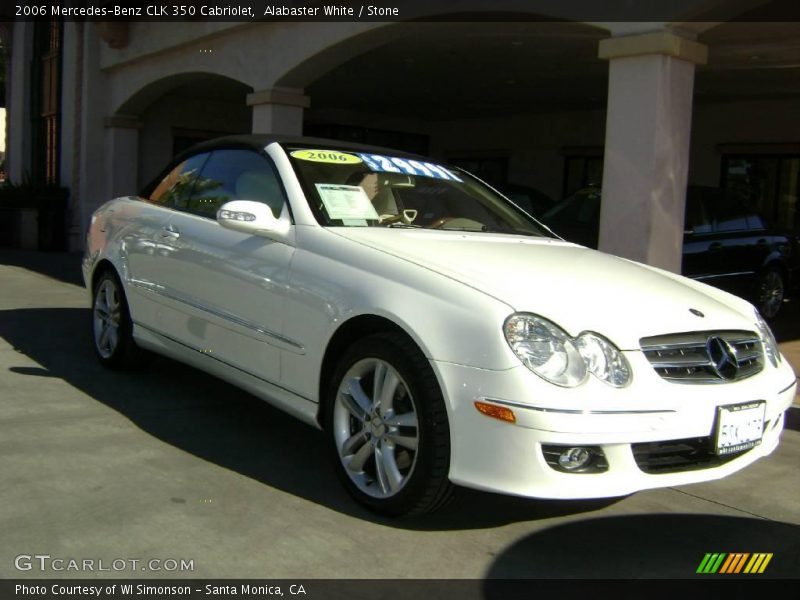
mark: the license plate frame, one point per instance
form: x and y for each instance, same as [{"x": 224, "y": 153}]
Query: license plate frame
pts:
[{"x": 739, "y": 427}]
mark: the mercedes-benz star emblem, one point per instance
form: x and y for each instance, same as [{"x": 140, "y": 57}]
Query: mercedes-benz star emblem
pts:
[
  {"x": 723, "y": 357},
  {"x": 696, "y": 312}
]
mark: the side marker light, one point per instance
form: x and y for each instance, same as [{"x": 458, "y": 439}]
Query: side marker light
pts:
[{"x": 496, "y": 412}]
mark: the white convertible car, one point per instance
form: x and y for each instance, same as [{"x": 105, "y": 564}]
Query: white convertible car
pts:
[{"x": 433, "y": 329}]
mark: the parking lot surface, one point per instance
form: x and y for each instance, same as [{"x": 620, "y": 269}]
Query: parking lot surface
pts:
[{"x": 169, "y": 463}]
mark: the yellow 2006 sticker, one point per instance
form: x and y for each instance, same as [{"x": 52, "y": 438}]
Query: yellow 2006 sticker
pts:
[{"x": 327, "y": 156}]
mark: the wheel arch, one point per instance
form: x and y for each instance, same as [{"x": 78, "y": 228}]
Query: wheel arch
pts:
[
  {"x": 774, "y": 262},
  {"x": 103, "y": 266},
  {"x": 349, "y": 332}
]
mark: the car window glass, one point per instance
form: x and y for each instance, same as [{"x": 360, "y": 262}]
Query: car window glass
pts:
[
  {"x": 235, "y": 175},
  {"x": 731, "y": 216},
  {"x": 174, "y": 189},
  {"x": 522, "y": 200},
  {"x": 582, "y": 207},
  {"x": 590, "y": 210},
  {"x": 697, "y": 212},
  {"x": 363, "y": 189},
  {"x": 755, "y": 222}
]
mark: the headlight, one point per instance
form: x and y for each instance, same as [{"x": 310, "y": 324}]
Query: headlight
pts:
[
  {"x": 545, "y": 349},
  {"x": 603, "y": 360},
  {"x": 770, "y": 344},
  {"x": 548, "y": 351}
]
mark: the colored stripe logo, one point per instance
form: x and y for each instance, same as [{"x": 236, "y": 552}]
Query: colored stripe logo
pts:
[{"x": 734, "y": 563}]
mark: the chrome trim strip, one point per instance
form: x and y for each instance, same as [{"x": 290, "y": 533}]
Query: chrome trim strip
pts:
[
  {"x": 724, "y": 275},
  {"x": 698, "y": 344},
  {"x": 788, "y": 387},
  {"x": 226, "y": 363},
  {"x": 571, "y": 411},
  {"x": 217, "y": 312},
  {"x": 681, "y": 365}
]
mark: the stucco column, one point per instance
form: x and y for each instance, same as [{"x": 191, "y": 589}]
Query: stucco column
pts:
[
  {"x": 648, "y": 125},
  {"x": 18, "y": 101},
  {"x": 122, "y": 152},
  {"x": 278, "y": 110}
]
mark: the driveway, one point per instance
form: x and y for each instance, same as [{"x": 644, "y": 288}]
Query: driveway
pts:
[{"x": 171, "y": 464}]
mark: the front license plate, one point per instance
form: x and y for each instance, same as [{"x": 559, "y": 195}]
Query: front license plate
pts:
[{"x": 739, "y": 427}]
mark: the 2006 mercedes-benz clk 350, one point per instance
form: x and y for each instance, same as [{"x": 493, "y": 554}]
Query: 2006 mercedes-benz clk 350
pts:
[{"x": 433, "y": 329}]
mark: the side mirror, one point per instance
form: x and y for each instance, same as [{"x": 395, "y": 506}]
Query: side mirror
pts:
[{"x": 255, "y": 218}]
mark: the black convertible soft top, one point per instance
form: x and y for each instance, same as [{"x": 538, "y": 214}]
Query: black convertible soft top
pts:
[{"x": 259, "y": 141}]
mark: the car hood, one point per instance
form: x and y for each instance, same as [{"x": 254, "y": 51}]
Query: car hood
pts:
[{"x": 577, "y": 288}]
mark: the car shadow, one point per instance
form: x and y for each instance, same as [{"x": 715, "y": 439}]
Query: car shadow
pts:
[
  {"x": 660, "y": 546},
  {"x": 219, "y": 423},
  {"x": 63, "y": 266}
]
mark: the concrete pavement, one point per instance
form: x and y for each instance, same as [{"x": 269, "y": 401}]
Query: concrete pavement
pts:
[{"x": 170, "y": 463}]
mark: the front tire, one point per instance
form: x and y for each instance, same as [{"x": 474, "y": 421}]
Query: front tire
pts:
[
  {"x": 388, "y": 427},
  {"x": 112, "y": 328}
]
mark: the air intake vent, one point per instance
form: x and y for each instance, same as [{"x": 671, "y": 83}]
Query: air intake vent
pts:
[
  {"x": 705, "y": 356},
  {"x": 674, "y": 456}
]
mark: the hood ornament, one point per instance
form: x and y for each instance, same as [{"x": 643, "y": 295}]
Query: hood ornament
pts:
[{"x": 696, "y": 312}]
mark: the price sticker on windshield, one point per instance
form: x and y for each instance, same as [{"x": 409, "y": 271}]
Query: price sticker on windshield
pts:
[
  {"x": 395, "y": 164},
  {"x": 346, "y": 202}
]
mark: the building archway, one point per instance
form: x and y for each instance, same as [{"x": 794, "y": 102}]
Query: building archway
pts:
[
  {"x": 466, "y": 91},
  {"x": 173, "y": 113}
]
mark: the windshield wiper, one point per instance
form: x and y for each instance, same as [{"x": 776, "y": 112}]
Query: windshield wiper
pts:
[{"x": 402, "y": 225}]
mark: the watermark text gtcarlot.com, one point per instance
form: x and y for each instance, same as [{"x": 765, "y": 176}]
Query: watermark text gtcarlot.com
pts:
[{"x": 46, "y": 563}]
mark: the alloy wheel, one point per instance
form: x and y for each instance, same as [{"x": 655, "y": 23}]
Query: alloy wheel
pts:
[
  {"x": 375, "y": 427},
  {"x": 770, "y": 293},
  {"x": 106, "y": 319}
]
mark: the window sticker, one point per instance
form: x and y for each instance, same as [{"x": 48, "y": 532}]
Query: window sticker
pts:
[
  {"x": 346, "y": 202},
  {"x": 394, "y": 164},
  {"x": 327, "y": 156}
]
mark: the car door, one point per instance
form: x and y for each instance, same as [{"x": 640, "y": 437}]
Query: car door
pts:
[
  {"x": 700, "y": 257},
  {"x": 149, "y": 243},
  {"x": 741, "y": 246},
  {"x": 226, "y": 289}
]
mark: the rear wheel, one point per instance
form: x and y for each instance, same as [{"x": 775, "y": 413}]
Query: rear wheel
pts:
[
  {"x": 770, "y": 291},
  {"x": 112, "y": 328},
  {"x": 388, "y": 427}
]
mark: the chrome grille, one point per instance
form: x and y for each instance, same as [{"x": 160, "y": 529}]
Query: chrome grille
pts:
[{"x": 700, "y": 356}]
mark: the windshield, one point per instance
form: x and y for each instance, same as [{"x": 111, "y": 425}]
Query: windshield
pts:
[
  {"x": 357, "y": 189},
  {"x": 581, "y": 207}
]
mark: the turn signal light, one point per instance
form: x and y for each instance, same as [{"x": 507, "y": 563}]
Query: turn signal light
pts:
[{"x": 496, "y": 412}]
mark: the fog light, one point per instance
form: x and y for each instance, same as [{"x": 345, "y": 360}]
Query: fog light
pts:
[{"x": 573, "y": 459}]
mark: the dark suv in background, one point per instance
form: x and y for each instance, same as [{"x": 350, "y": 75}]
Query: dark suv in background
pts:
[{"x": 725, "y": 244}]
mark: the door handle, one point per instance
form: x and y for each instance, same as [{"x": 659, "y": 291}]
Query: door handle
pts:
[
  {"x": 761, "y": 242},
  {"x": 715, "y": 246},
  {"x": 170, "y": 231}
]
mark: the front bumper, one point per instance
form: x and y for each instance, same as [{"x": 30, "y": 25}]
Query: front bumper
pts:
[{"x": 497, "y": 456}]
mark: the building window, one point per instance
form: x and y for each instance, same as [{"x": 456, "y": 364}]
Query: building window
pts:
[
  {"x": 491, "y": 169},
  {"x": 46, "y": 100},
  {"x": 581, "y": 172},
  {"x": 767, "y": 183}
]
